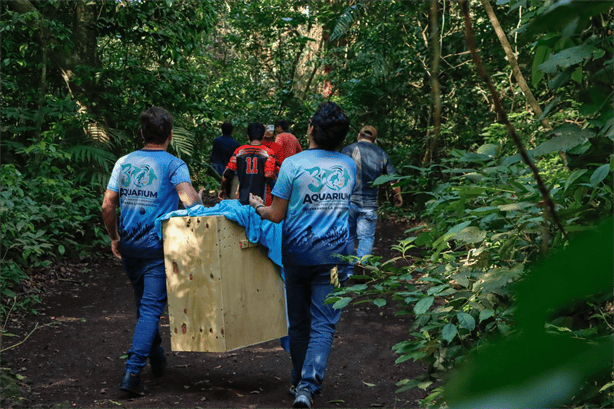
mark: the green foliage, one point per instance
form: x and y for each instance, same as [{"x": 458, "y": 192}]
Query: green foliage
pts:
[
  {"x": 44, "y": 214},
  {"x": 67, "y": 115},
  {"x": 486, "y": 230},
  {"x": 554, "y": 356}
]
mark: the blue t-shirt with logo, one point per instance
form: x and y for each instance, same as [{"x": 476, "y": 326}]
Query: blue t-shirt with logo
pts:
[
  {"x": 318, "y": 185},
  {"x": 145, "y": 181}
]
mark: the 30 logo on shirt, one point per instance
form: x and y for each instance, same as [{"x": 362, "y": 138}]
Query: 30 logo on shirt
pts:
[
  {"x": 139, "y": 176},
  {"x": 335, "y": 178}
]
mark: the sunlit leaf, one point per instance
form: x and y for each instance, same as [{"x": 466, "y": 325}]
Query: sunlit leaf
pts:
[{"x": 423, "y": 305}]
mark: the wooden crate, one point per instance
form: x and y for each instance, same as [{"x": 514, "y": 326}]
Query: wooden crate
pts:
[{"x": 224, "y": 292}]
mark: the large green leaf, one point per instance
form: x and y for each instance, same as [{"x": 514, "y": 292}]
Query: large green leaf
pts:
[
  {"x": 466, "y": 321},
  {"x": 541, "y": 53},
  {"x": 423, "y": 305},
  {"x": 567, "y": 58},
  {"x": 573, "y": 177},
  {"x": 448, "y": 332},
  {"x": 566, "y": 137},
  {"x": 600, "y": 174},
  {"x": 471, "y": 234},
  {"x": 557, "y": 16},
  {"x": 496, "y": 279}
]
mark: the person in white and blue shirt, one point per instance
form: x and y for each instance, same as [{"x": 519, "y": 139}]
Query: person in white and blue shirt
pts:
[
  {"x": 145, "y": 185},
  {"x": 312, "y": 197}
]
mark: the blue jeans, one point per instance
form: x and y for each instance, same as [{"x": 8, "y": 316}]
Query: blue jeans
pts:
[
  {"x": 312, "y": 324},
  {"x": 148, "y": 279},
  {"x": 362, "y": 221}
]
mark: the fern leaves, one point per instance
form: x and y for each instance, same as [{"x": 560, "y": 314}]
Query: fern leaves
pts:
[
  {"x": 345, "y": 22},
  {"x": 182, "y": 142}
]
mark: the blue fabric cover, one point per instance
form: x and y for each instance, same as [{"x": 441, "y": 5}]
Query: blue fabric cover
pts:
[{"x": 257, "y": 230}]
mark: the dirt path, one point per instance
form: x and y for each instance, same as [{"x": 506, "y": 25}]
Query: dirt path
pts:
[{"x": 87, "y": 317}]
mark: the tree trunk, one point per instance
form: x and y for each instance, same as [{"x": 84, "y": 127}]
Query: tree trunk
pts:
[
  {"x": 514, "y": 63},
  {"x": 435, "y": 92}
]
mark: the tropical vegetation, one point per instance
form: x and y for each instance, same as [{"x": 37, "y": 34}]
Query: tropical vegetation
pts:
[{"x": 497, "y": 115}]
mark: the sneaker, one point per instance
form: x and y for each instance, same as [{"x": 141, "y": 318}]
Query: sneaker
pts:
[
  {"x": 303, "y": 399},
  {"x": 157, "y": 365},
  {"x": 131, "y": 383}
]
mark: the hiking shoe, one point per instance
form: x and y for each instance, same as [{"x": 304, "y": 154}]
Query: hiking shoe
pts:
[
  {"x": 157, "y": 365},
  {"x": 131, "y": 383},
  {"x": 303, "y": 399}
]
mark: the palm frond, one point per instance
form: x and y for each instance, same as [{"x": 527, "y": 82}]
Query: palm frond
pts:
[
  {"x": 92, "y": 154},
  {"x": 182, "y": 142},
  {"x": 344, "y": 23},
  {"x": 12, "y": 145},
  {"x": 379, "y": 66}
]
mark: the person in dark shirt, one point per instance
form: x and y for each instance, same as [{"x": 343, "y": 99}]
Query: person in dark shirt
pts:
[
  {"x": 223, "y": 148},
  {"x": 253, "y": 164},
  {"x": 371, "y": 162}
]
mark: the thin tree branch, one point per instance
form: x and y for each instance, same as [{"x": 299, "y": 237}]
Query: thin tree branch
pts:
[
  {"x": 503, "y": 116},
  {"x": 514, "y": 63},
  {"x": 9, "y": 314}
]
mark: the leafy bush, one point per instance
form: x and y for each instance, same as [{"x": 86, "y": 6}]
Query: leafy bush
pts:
[
  {"x": 44, "y": 214},
  {"x": 486, "y": 228}
]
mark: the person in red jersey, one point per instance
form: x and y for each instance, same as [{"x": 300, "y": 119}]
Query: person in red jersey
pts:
[
  {"x": 254, "y": 165},
  {"x": 288, "y": 142},
  {"x": 269, "y": 142}
]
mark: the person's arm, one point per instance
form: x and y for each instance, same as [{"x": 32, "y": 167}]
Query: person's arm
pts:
[
  {"x": 229, "y": 173},
  {"x": 110, "y": 204},
  {"x": 188, "y": 195},
  {"x": 398, "y": 198},
  {"x": 389, "y": 170},
  {"x": 226, "y": 184},
  {"x": 275, "y": 213}
]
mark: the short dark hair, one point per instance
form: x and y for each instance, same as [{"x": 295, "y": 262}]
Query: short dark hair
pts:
[
  {"x": 156, "y": 125},
  {"x": 227, "y": 128},
  {"x": 255, "y": 131},
  {"x": 283, "y": 124},
  {"x": 330, "y": 126}
]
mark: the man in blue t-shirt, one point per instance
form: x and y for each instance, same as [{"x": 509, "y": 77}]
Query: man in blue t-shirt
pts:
[
  {"x": 223, "y": 148},
  {"x": 145, "y": 185},
  {"x": 371, "y": 162},
  {"x": 312, "y": 197}
]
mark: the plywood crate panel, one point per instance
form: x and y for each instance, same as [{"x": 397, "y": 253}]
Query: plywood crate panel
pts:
[{"x": 224, "y": 293}]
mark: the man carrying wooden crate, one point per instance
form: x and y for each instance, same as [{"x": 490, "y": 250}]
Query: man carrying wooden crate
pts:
[{"x": 145, "y": 185}]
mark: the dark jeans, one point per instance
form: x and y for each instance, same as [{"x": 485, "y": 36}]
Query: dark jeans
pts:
[
  {"x": 148, "y": 280},
  {"x": 312, "y": 324}
]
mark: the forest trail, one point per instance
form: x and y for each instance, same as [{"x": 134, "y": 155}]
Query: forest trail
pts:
[{"x": 75, "y": 356}]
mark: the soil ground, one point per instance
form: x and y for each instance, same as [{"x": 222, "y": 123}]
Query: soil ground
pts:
[{"x": 84, "y": 326}]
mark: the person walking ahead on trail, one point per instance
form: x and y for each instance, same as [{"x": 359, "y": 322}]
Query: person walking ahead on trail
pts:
[
  {"x": 223, "y": 148},
  {"x": 145, "y": 184},
  {"x": 371, "y": 162},
  {"x": 253, "y": 164},
  {"x": 288, "y": 142},
  {"x": 269, "y": 142},
  {"x": 312, "y": 197}
]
